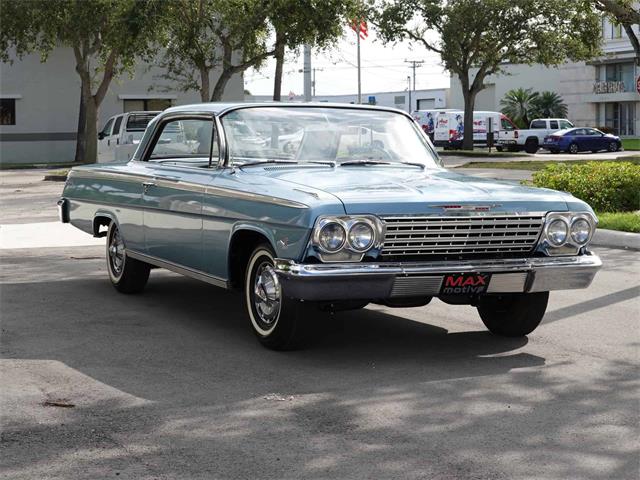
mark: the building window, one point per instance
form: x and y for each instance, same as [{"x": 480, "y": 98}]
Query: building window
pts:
[
  {"x": 146, "y": 104},
  {"x": 620, "y": 117},
  {"x": 7, "y": 111}
]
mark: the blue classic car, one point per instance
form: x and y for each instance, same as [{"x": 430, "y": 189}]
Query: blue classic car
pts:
[
  {"x": 574, "y": 140},
  {"x": 356, "y": 209}
]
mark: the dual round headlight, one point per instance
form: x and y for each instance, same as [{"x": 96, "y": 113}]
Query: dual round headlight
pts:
[
  {"x": 560, "y": 231},
  {"x": 333, "y": 236}
]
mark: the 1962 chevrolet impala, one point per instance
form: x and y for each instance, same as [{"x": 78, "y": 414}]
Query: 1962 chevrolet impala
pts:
[{"x": 335, "y": 206}]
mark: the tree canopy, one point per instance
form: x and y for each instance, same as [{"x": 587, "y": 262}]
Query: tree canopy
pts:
[
  {"x": 478, "y": 38},
  {"x": 106, "y": 37}
]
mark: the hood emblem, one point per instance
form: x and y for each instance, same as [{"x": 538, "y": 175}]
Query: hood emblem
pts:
[{"x": 467, "y": 208}]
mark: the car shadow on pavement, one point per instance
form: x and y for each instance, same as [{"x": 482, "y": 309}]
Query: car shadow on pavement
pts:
[
  {"x": 171, "y": 384},
  {"x": 191, "y": 329}
]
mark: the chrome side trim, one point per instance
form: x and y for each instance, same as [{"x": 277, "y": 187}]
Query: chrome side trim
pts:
[
  {"x": 186, "y": 271},
  {"x": 254, "y": 197},
  {"x": 109, "y": 175}
]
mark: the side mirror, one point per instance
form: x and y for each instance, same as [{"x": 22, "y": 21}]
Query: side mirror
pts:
[{"x": 101, "y": 135}]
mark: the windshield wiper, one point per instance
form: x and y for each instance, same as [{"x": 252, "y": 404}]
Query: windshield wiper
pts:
[
  {"x": 414, "y": 164},
  {"x": 262, "y": 162},
  {"x": 364, "y": 162}
]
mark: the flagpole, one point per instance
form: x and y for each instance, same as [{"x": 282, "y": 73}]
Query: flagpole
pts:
[{"x": 359, "y": 85}]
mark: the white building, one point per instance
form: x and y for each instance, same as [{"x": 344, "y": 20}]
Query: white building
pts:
[
  {"x": 600, "y": 93},
  {"x": 39, "y": 104},
  {"x": 420, "y": 99}
]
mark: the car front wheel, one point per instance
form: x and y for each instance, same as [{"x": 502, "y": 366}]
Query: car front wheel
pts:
[
  {"x": 573, "y": 148},
  {"x": 127, "y": 275},
  {"x": 514, "y": 314},
  {"x": 613, "y": 147},
  {"x": 276, "y": 320}
]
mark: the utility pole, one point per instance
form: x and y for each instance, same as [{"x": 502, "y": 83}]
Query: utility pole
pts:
[
  {"x": 409, "y": 90},
  {"x": 307, "y": 73},
  {"x": 414, "y": 64},
  {"x": 359, "y": 83},
  {"x": 313, "y": 81}
]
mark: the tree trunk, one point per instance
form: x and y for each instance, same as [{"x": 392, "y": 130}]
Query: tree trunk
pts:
[
  {"x": 277, "y": 81},
  {"x": 204, "y": 84},
  {"x": 469, "y": 105},
  {"x": 221, "y": 84},
  {"x": 91, "y": 131},
  {"x": 81, "y": 146},
  {"x": 633, "y": 38}
]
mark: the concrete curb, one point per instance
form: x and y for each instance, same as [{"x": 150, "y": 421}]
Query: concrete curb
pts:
[{"x": 615, "y": 239}]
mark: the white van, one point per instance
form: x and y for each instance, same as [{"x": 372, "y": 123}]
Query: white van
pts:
[
  {"x": 427, "y": 119},
  {"x": 118, "y": 140},
  {"x": 449, "y": 127}
]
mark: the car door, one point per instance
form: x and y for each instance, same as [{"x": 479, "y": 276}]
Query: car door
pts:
[
  {"x": 581, "y": 139},
  {"x": 178, "y": 161},
  {"x": 103, "y": 141},
  {"x": 113, "y": 140},
  {"x": 595, "y": 140}
]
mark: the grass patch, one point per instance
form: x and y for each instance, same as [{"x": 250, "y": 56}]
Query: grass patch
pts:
[
  {"x": 631, "y": 143},
  {"x": 542, "y": 164},
  {"x": 481, "y": 153},
  {"x": 621, "y": 221}
]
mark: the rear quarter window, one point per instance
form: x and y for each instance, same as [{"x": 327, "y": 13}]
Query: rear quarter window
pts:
[
  {"x": 539, "y": 124},
  {"x": 138, "y": 123}
]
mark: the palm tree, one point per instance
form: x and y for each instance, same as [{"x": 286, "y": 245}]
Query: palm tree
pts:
[
  {"x": 549, "y": 104},
  {"x": 517, "y": 104}
]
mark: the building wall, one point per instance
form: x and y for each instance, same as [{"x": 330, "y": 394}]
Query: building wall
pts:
[
  {"x": 431, "y": 98},
  {"x": 47, "y": 97},
  {"x": 536, "y": 77}
]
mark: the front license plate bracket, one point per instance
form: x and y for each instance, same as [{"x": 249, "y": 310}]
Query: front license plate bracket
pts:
[{"x": 465, "y": 283}]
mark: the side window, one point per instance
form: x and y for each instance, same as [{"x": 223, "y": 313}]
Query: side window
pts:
[
  {"x": 107, "y": 128},
  {"x": 187, "y": 139},
  {"x": 538, "y": 124},
  {"x": 116, "y": 125},
  {"x": 564, "y": 124},
  {"x": 579, "y": 131},
  {"x": 553, "y": 124}
]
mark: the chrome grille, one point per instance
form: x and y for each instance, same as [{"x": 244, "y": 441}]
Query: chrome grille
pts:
[{"x": 408, "y": 236}]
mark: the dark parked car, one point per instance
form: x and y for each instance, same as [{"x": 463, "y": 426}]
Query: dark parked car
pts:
[{"x": 574, "y": 140}]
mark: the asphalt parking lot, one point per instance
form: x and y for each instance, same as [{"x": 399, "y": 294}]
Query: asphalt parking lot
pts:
[{"x": 171, "y": 384}]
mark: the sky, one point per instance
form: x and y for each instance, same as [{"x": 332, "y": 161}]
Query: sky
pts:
[{"x": 383, "y": 69}]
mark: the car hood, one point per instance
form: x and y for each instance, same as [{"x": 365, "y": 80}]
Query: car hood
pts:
[{"x": 406, "y": 190}]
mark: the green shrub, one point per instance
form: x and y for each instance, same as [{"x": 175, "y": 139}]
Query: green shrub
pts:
[{"x": 606, "y": 186}]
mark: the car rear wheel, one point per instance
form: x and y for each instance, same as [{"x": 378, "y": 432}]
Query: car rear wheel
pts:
[
  {"x": 277, "y": 321},
  {"x": 613, "y": 147},
  {"x": 531, "y": 145},
  {"x": 127, "y": 274},
  {"x": 514, "y": 314},
  {"x": 573, "y": 148}
]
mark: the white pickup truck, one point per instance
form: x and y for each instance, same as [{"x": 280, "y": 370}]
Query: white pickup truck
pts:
[
  {"x": 531, "y": 140},
  {"x": 120, "y": 137}
]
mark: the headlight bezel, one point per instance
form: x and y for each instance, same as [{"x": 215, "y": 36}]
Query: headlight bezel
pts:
[
  {"x": 569, "y": 246},
  {"x": 347, "y": 251},
  {"x": 318, "y": 235}
]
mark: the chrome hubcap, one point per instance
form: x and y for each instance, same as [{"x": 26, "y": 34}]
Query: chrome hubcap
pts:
[
  {"x": 267, "y": 293},
  {"x": 116, "y": 252}
]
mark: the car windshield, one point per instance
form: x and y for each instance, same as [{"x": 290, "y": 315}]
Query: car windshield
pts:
[{"x": 324, "y": 134}]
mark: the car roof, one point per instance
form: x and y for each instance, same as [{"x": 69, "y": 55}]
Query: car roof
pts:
[{"x": 219, "y": 108}]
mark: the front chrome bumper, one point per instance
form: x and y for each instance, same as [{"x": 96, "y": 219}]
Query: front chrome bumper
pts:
[{"x": 370, "y": 281}]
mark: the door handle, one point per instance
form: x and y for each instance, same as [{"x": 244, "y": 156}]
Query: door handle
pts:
[
  {"x": 146, "y": 185},
  {"x": 108, "y": 142}
]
